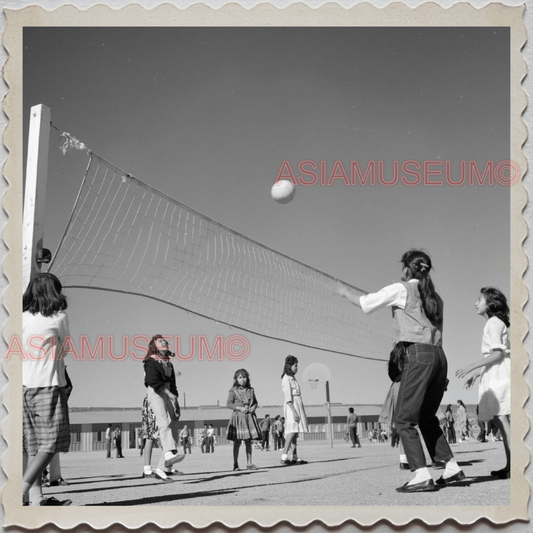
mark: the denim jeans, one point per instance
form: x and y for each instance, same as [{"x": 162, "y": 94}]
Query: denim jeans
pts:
[{"x": 421, "y": 390}]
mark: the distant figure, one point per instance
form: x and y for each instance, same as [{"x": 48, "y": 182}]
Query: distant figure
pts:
[
  {"x": 211, "y": 439},
  {"x": 461, "y": 422},
  {"x": 265, "y": 432},
  {"x": 242, "y": 425},
  {"x": 494, "y": 370},
  {"x": 108, "y": 440},
  {"x": 293, "y": 410},
  {"x": 352, "y": 426},
  {"x": 482, "y": 435},
  {"x": 203, "y": 439},
  {"x": 274, "y": 433},
  {"x": 450, "y": 424},
  {"x": 281, "y": 432},
  {"x": 117, "y": 439},
  {"x": 185, "y": 439}
]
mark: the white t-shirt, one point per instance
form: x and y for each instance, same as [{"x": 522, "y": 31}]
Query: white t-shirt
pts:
[{"x": 42, "y": 340}]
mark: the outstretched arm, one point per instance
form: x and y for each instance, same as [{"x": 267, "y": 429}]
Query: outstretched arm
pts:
[
  {"x": 495, "y": 356},
  {"x": 342, "y": 290}
]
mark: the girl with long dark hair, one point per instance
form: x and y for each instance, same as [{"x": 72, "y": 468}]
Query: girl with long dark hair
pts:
[
  {"x": 160, "y": 380},
  {"x": 418, "y": 319},
  {"x": 494, "y": 370}
]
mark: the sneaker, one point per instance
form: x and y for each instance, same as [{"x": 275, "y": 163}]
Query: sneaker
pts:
[
  {"x": 55, "y": 502},
  {"x": 58, "y": 482}
]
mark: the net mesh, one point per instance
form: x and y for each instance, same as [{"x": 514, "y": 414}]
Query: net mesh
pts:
[{"x": 125, "y": 236}]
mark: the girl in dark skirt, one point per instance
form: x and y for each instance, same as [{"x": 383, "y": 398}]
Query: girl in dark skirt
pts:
[{"x": 243, "y": 425}]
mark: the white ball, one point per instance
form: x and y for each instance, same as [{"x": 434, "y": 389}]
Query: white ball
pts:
[{"x": 283, "y": 191}]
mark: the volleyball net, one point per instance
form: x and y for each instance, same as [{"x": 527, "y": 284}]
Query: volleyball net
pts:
[{"x": 125, "y": 236}]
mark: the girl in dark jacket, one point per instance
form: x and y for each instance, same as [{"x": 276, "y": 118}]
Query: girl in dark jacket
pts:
[{"x": 160, "y": 380}]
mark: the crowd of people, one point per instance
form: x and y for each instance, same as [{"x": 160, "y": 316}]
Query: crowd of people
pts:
[{"x": 418, "y": 370}]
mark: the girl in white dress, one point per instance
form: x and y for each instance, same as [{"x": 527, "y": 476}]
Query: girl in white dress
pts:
[
  {"x": 293, "y": 410},
  {"x": 494, "y": 369}
]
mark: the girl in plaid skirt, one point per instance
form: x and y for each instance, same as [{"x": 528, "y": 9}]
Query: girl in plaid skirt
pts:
[
  {"x": 243, "y": 425},
  {"x": 44, "y": 403}
]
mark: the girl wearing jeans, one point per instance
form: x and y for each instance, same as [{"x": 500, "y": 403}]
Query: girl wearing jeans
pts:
[{"x": 417, "y": 318}]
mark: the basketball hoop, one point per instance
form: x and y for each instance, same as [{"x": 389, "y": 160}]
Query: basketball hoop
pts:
[{"x": 314, "y": 384}]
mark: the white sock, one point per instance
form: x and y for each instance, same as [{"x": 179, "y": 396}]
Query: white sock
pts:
[
  {"x": 421, "y": 474},
  {"x": 169, "y": 455},
  {"x": 284, "y": 457},
  {"x": 403, "y": 458},
  {"x": 451, "y": 468},
  {"x": 147, "y": 469},
  {"x": 160, "y": 473}
]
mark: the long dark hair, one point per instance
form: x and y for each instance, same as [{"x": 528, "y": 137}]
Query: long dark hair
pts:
[
  {"x": 44, "y": 295},
  {"x": 418, "y": 265},
  {"x": 449, "y": 408},
  {"x": 152, "y": 348},
  {"x": 289, "y": 361},
  {"x": 242, "y": 372},
  {"x": 496, "y": 304}
]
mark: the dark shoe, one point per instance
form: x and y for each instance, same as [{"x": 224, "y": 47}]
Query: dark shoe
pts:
[
  {"x": 501, "y": 474},
  {"x": 152, "y": 474},
  {"x": 424, "y": 486},
  {"x": 173, "y": 460},
  {"x": 165, "y": 479},
  {"x": 251, "y": 467},
  {"x": 58, "y": 482},
  {"x": 298, "y": 462},
  {"x": 286, "y": 462},
  {"x": 353, "y": 446},
  {"x": 456, "y": 477},
  {"x": 404, "y": 466},
  {"x": 55, "y": 502},
  {"x": 174, "y": 472}
]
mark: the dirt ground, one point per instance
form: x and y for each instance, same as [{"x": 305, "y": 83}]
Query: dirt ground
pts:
[{"x": 334, "y": 476}]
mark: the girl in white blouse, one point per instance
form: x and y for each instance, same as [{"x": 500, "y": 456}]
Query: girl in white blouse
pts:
[{"x": 494, "y": 370}]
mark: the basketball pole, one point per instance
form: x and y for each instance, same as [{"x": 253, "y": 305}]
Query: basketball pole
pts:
[
  {"x": 35, "y": 193},
  {"x": 330, "y": 423}
]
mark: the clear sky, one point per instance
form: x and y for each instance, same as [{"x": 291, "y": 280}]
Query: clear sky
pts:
[{"x": 208, "y": 115}]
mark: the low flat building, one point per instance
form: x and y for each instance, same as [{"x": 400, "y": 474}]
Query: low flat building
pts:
[{"x": 88, "y": 425}]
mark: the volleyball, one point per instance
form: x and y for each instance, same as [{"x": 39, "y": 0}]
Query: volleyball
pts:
[{"x": 283, "y": 191}]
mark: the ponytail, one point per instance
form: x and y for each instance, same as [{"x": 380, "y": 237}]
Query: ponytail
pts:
[{"x": 418, "y": 265}]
